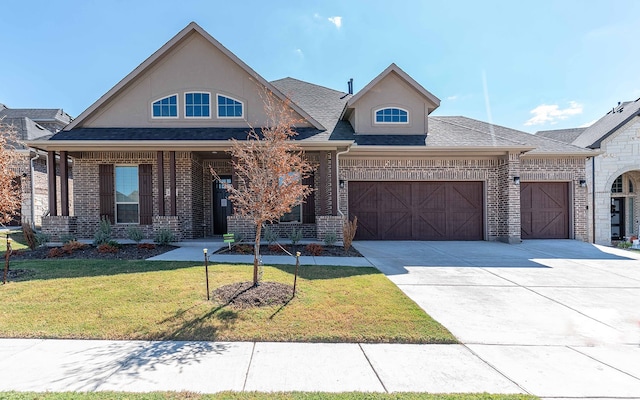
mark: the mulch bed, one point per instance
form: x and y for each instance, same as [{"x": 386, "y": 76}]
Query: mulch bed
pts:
[
  {"x": 305, "y": 250},
  {"x": 245, "y": 295},
  {"x": 125, "y": 252}
]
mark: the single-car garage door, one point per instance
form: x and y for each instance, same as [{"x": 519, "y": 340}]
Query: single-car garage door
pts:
[
  {"x": 544, "y": 210},
  {"x": 417, "y": 210}
]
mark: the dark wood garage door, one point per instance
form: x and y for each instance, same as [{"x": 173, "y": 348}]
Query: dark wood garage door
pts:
[
  {"x": 417, "y": 210},
  {"x": 544, "y": 208}
]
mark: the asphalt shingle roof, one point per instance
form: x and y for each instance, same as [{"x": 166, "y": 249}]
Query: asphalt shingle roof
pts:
[
  {"x": 37, "y": 114},
  {"x": 563, "y": 135},
  {"x": 607, "y": 125}
]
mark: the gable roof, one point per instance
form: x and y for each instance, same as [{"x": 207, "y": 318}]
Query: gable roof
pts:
[
  {"x": 189, "y": 30},
  {"x": 607, "y": 125},
  {"x": 393, "y": 68},
  {"x": 563, "y": 135}
]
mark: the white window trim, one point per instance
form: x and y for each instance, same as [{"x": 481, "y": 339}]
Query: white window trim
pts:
[
  {"x": 185, "y": 104},
  {"x": 391, "y": 123},
  {"x": 115, "y": 194},
  {"x": 162, "y": 98},
  {"x": 232, "y": 98}
]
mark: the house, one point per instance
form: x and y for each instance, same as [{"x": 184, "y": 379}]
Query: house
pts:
[
  {"x": 142, "y": 154},
  {"x": 31, "y": 171},
  {"x": 613, "y": 176}
]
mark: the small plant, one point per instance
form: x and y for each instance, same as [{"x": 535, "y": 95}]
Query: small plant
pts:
[
  {"x": 349, "y": 232},
  {"x": 55, "y": 252},
  {"x": 29, "y": 236},
  {"x": 295, "y": 236},
  {"x": 146, "y": 246},
  {"x": 238, "y": 237},
  {"x": 624, "y": 245},
  {"x": 103, "y": 235},
  {"x": 314, "y": 249},
  {"x": 134, "y": 233},
  {"x": 73, "y": 245},
  {"x": 330, "y": 239},
  {"x": 244, "y": 249},
  {"x": 270, "y": 234},
  {"x": 164, "y": 237},
  {"x": 107, "y": 248},
  {"x": 42, "y": 239},
  {"x": 69, "y": 237}
]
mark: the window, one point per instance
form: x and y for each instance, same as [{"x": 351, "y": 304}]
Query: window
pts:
[
  {"x": 166, "y": 107},
  {"x": 229, "y": 108},
  {"x": 630, "y": 186},
  {"x": 617, "y": 185},
  {"x": 392, "y": 116},
  {"x": 197, "y": 105},
  {"x": 127, "y": 195}
]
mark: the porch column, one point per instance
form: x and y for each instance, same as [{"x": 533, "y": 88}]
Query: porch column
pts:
[
  {"x": 51, "y": 176},
  {"x": 172, "y": 183},
  {"x": 64, "y": 184},
  {"x": 322, "y": 183},
  {"x": 335, "y": 185},
  {"x": 161, "y": 183}
]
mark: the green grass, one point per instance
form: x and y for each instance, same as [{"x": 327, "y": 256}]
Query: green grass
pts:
[
  {"x": 258, "y": 396},
  {"x": 101, "y": 299},
  {"x": 17, "y": 241}
]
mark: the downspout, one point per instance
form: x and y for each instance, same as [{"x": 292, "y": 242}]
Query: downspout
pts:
[
  {"x": 338, "y": 153},
  {"x": 33, "y": 191},
  {"x": 593, "y": 199}
]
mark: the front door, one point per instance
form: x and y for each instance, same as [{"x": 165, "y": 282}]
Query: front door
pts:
[
  {"x": 617, "y": 218},
  {"x": 221, "y": 205}
]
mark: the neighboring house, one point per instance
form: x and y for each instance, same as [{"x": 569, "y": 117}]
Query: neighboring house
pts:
[
  {"x": 33, "y": 124},
  {"x": 142, "y": 155},
  {"x": 613, "y": 176}
]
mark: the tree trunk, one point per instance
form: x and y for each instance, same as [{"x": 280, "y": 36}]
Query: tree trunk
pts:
[{"x": 256, "y": 254}]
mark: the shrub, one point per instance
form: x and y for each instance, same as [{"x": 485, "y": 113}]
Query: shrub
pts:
[
  {"x": 295, "y": 236},
  {"x": 73, "y": 245},
  {"x": 349, "y": 232},
  {"x": 270, "y": 234},
  {"x": 103, "y": 235},
  {"x": 238, "y": 237},
  {"x": 330, "y": 239},
  {"x": 55, "y": 252},
  {"x": 244, "y": 249},
  {"x": 41, "y": 239},
  {"x": 314, "y": 249},
  {"x": 625, "y": 245},
  {"x": 134, "y": 233},
  {"x": 29, "y": 236},
  {"x": 107, "y": 248},
  {"x": 68, "y": 238},
  {"x": 164, "y": 237},
  {"x": 147, "y": 246}
]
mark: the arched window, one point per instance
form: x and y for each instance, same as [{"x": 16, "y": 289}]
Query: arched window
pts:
[
  {"x": 617, "y": 185},
  {"x": 166, "y": 107},
  {"x": 229, "y": 107},
  {"x": 392, "y": 115},
  {"x": 197, "y": 105}
]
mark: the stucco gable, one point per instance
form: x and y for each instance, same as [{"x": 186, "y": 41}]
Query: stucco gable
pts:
[{"x": 191, "y": 61}]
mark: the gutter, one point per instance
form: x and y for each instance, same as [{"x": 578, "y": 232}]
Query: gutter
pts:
[{"x": 33, "y": 190}]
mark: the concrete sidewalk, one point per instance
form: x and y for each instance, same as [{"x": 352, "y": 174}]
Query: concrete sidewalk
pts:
[{"x": 209, "y": 367}]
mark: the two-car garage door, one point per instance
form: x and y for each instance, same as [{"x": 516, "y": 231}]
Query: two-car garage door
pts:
[
  {"x": 417, "y": 210},
  {"x": 451, "y": 210}
]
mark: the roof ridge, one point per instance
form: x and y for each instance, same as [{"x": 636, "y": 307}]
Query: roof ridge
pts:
[{"x": 309, "y": 83}]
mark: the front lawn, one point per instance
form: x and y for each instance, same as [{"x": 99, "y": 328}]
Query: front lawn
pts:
[
  {"x": 260, "y": 396},
  {"x": 17, "y": 241},
  {"x": 105, "y": 299}
]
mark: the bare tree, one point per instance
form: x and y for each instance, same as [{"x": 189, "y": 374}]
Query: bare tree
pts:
[
  {"x": 9, "y": 191},
  {"x": 269, "y": 167}
]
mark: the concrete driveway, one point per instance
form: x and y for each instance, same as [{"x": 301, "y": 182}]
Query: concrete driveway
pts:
[{"x": 557, "y": 317}]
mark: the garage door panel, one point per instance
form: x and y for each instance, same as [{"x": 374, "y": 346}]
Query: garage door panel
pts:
[
  {"x": 544, "y": 209},
  {"x": 418, "y": 210}
]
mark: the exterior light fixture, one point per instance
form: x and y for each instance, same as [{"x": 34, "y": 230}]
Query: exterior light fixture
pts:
[
  {"x": 583, "y": 183},
  {"x": 341, "y": 183},
  {"x": 516, "y": 180}
]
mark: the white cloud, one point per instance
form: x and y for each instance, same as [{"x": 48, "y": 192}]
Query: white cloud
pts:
[
  {"x": 552, "y": 113},
  {"x": 337, "y": 21},
  {"x": 452, "y": 98},
  {"x": 316, "y": 16},
  {"x": 299, "y": 53}
]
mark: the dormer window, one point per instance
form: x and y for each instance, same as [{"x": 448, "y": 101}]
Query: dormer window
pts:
[
  {"x": 197, "y": 105},
  {"x": 229, "y": 107},
  {"x": 166, "y": 107},
  {"x": 392, "y": 115}
]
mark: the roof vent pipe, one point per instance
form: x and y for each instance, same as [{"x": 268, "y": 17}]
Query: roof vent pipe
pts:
[{"x": 350, "y": 86}]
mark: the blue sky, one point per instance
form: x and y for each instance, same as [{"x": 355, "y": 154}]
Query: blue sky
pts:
[{"x": 527, "y": 65}]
